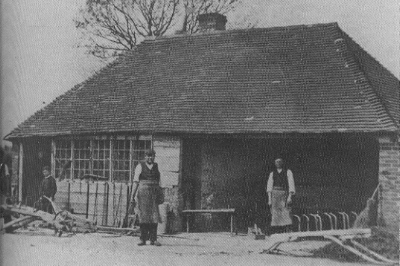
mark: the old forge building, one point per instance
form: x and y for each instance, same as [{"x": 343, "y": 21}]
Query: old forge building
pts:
[{"x": 217, "y": 107}]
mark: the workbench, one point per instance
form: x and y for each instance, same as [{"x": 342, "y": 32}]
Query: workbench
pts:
[{"x": 231, "y": 212}]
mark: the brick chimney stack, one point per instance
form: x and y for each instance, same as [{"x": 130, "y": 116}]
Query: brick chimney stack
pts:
[{"x": 211, "y": 22}]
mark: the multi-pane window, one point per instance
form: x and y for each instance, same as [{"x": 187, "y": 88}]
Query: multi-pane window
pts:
[
  {"x": 113, "y": 160},
  {"x": 121, "y": 160},
  {"x": 63, "y": 159},
  {"x": 139, "y": 148},
  {"x": 101, "y": 158},
  {"x": 81, "y": 158}
]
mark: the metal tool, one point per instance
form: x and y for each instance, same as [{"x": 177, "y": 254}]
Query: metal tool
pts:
[
  {"x": 307, "y": 222},
  {"x": 330, "y": 219},
  {"x": 335, "y": 220},
  {"x": 298, "y": 222}
]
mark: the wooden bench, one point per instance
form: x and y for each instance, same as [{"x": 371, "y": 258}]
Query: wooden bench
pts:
[{"x": 231, "y": 212}]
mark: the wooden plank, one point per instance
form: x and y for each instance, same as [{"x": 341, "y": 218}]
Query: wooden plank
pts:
[
  {"x": 111, "y": 160},
  {"x": 168, "y": 164},
  {"x": 19, "y": 220},
  {"x": 52, "y": 158},
  {"x": 105, "y": 204},
  {"x": 373, "y": 253},
  {"x": 167, "y": 151},
  {"x": 210, "y": 211},
  {"x": 87, "y": 200},
  {"x": 62, "y": 186},
  {"x": 114, "y": 229},
  {"x": 169, "y": 179},
  {"x": 69, "y": 196},
  {"x": 29, "y": 211},
  {"x": 345, "y": 232},
  {"x": 20, "y": 170},
  {"x": 72, "y": 159},
  {"x": 353, "y": 250}
]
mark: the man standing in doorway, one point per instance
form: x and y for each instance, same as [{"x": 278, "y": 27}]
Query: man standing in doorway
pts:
[
  {"x": 280, "y": 189},
  {"x": 48, "y": 188},
  {"x": 146, "y": 183}
]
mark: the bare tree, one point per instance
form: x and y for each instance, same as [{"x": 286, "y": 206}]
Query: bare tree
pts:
[{"x": 110, "y": 27}]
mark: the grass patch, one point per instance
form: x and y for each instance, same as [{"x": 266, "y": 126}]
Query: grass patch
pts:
[{"x": 382, "y": 241}]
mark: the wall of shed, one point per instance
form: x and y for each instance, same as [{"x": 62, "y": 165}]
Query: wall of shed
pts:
[
  {"x": 332, "y": 173},
  {"x": 168, "y": 156},
  {"x": 389, "y": 178},
  {"x": 109, "y": 207},
  {"x": 105, "y": 202}
]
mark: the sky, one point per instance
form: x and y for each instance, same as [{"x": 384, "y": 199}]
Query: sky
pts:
[{"x": 40, "y": 57}]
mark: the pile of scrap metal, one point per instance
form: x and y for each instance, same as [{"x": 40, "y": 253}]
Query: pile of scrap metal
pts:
[{"x": 62, "y": 221}]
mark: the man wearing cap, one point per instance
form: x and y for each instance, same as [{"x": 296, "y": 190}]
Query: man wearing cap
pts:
[
  {"x": 146, "y": 183},
  {"x": 280, "y": 189},
  {"x": 48, "y": 188}
]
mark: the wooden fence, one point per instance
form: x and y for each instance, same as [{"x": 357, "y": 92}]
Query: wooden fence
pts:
[{"x": 104, "y": 202}]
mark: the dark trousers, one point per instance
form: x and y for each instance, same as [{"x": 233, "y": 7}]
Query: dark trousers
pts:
[
  {"x": 46, "y": 206},
  {"x": 148, "y": 231}
]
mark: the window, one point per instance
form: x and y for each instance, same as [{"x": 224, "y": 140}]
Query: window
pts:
[
  {"x": 139, "y": 148},
  {"x": 63, "y": 159},
  {"x": 81, "y": 158},
  {"x": 101, "y": 158},
  {"x": 113, "y": 160},
  {"x": 121, "y": 160}
]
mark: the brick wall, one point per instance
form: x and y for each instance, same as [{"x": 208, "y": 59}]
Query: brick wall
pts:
[{"x": 389, "y": 177}]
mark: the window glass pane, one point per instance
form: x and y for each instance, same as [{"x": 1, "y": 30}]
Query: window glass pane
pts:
[
  {"x": 139, "y": 149},
  {"x": 121, "y": 158},
  {"x": 101, "y": 158},
  {"x": 81, "y": 158},
  {"x": 62, "y": 159}
]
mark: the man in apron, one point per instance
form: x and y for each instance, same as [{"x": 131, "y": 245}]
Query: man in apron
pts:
[
  {"x": 280, "y": 189},
  {"x": 146, "y": 183}
]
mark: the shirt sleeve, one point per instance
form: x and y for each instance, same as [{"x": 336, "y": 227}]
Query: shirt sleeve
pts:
[
  {"x": 270, "y": 182},
  {"x": 6, "y": 171},
  {"x": 291, "y": 182},
  {"x": 138, "y": 171}
]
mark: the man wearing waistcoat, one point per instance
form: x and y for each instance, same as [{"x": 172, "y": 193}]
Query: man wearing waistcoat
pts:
[
  {"x": 280, "y": 189},
  {"x": 146, "y": 183}
]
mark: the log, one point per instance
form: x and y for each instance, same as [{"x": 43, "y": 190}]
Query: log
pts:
[
  {"x": 346, "y": 233},
  {"x": 353, "y": 250},
  {"x": 117, "y": 229},
  {"x": 276, "y": 240},
  {"x": 373, "y": 253},
  {"x": 17, "y": 223},
  {"x": 29, "y": 211}
]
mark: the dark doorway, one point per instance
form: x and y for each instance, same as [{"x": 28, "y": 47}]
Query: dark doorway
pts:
[
  {"x": 332, "y": 173},
  {"x": 37, "y": 153}
]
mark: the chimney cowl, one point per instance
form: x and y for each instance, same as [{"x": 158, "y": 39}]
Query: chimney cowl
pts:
[{"x": 211, "y": 22}]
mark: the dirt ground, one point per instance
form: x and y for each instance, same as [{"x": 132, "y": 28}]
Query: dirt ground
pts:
[{"x": 41, "y": 247}]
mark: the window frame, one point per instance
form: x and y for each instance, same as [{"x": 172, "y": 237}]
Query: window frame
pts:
[{"x": 135, "y": 155}]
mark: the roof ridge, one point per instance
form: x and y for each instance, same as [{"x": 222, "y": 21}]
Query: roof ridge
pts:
[
  {"x": 151, "y": 39},
  {"x": 361, "y": 79}
]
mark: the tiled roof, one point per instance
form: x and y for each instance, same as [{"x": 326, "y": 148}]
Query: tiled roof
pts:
[{"x": 306, "y": 79}]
